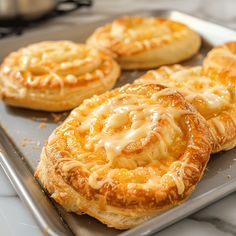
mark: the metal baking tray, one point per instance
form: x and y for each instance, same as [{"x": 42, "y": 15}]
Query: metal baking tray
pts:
[{"x": 23, "y": 133}]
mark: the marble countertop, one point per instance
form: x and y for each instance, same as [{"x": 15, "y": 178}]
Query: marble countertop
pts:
[{"x": 219, "y": 219}]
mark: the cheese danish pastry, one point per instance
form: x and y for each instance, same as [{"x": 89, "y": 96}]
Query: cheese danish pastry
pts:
[
  {"x": 55, "y": 75},
  {"x": 146, "y": 42},
  {"x": 126, "y": 155},
  {"x": 221, "y": 63},
  {"x": 210, "y": 97}
]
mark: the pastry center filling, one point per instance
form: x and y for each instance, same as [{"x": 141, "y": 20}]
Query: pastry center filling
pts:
[
  {"x": 123, "y": 124},
  {"x": 147, "y": 29},
  {"x": 207, "y": 95},
  {"x": 60, "y": 62},
  {"x": 130, "y": 135}
]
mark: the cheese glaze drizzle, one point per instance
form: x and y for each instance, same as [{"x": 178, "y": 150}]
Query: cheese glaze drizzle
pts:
[{"x": 115, "y": 126}]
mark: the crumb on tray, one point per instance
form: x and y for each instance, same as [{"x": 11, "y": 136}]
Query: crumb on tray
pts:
[
  {"x": 42, "y": 125},
  {"x": 59, "y": 117},
  {"x": 26, "y": 141},
  {"x": 56, "y": 117}
]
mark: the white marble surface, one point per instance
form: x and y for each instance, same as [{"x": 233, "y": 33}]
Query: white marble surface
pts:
[{"x": 218, "y": 219}]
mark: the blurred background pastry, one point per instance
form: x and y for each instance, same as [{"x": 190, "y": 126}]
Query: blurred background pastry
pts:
[
  {"x": 146, "y": 42},
  {"x": 221, "y": 64}
]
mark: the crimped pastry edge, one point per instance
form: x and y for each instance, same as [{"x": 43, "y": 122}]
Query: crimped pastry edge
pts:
[
  {"x": 65, "y": 195},
  {"x": 72, "y": 201}
]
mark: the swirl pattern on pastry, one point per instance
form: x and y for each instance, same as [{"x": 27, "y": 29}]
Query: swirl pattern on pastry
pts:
[
  {"x": 214, "y": 100},
  {"x": 55, "y": 75},
  {"x": 146, "y": 42},
  {"x": 221, "y": 63},
  {"x": 126, "y": 155}
]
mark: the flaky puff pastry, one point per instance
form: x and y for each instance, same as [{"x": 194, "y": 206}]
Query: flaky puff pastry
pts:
[
  {"x": 146, "y": 42},
  {"x": 221, "y": 64},
  {"x": 55, "y": 75},
  {"x": 214, "y": 100},
  {"x": 127, "y": 155}
]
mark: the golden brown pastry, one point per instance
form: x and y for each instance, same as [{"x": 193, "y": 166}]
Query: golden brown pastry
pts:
[
  {"x": 126, "y": 155},
  {"x": 221, "y": 63},
  {"x": 146, "y": 42},
  {"x": 212, "y": 99},
  {"x": 55, "y": 75}
]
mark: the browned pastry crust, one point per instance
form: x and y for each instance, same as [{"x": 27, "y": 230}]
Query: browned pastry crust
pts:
[
  {"x": 146, "y": 42},
  {"x": 221, "y": 64},
  {"x": 214, "y": 100},
  {"x": 55, "y": 76},
  {"x": 126, "y": 155}
]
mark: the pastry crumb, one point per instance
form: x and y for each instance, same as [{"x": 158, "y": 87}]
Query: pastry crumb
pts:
[
  {"x": 59, "y": 117},
  {"x": 228, "y": 176},
  {"x": 26, "y": 141},
  {"x": 56, "y": 117},
  {"x": 42, "y": 125}
]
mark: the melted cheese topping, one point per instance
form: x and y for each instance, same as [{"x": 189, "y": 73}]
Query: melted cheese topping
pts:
[
  {"x": 127, "y": 121},
  {"x": 58, "y": 56},
  {"x": 223, "y": 59},
  {"x": 131, "y": 34},
  {"x": 138, "y": 29},
  {"x": 199, "y": 89},
  {"x": 115, "y": 130},
  {"x": 56, "y": 64},
  {"x": 178, "y": 178}
]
